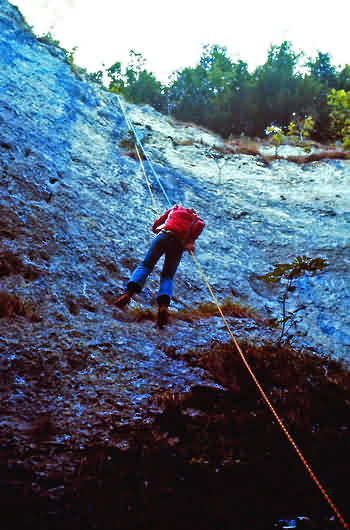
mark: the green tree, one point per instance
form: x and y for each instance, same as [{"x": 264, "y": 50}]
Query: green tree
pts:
[
  {"x": 137, "y": 84},
  {"x": 188, "y": 94},
  {"x": 324, "y": 77},
  {"x": 299, "y": 130},
  {"x": 243, "y": 106},
  {"x": 213, "y": 93},
  {"x": 276, "y": 86},
  {"x": 343, "y": 78},
  {"x": 116, "y": 79},
  {"x": 321, "y": 69},
  {"x": 339, "y": 103}
]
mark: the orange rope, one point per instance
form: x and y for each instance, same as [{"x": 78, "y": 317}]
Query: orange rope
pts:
[{"x": 278, "y": 419}]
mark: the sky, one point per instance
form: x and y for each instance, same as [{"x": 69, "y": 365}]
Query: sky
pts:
[{"x": 171, "y": 35}]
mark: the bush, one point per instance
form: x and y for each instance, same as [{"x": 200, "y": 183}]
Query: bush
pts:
[
  {"x": 285, "y": 273},
  {"x": 339, "y": 102}
]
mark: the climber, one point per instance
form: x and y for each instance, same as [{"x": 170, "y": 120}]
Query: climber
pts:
[{"x": 177, "y": 230}]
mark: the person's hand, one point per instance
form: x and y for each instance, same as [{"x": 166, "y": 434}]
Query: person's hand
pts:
[{"x": 189, "y": 247}]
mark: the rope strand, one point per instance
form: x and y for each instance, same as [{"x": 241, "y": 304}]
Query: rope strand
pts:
[{"x": 138, "y": 142}]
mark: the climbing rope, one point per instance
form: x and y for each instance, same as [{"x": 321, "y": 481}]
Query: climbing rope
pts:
[
  {"x": 245, "y": 362},
  {"x": 138, "y": 143},
  {"x": 154, "y": 204}
]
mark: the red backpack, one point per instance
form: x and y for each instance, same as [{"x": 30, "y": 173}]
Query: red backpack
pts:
[{"x": 182, "y": 222}]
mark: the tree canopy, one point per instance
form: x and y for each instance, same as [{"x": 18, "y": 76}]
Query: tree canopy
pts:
[{"x": 224, "y": 96}]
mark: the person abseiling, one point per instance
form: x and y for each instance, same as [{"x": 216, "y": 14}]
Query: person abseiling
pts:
[{"x": 177, "y": 230}]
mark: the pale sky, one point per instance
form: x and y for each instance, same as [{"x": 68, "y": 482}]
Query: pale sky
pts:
[{"x": 170, "y": 35}]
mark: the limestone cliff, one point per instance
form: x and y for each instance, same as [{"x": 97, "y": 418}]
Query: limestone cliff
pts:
[{"x": 75, "y": 219}]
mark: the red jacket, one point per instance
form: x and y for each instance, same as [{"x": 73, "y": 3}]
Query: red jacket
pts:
[{"x": 184, "y": 223}]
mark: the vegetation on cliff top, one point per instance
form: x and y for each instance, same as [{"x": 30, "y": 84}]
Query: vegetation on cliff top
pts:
[{"x": 229, "y": 99}]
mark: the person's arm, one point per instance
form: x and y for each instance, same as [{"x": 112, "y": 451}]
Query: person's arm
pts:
[
  {"x": 196, "y": 230},
  {"x": 161, "y": 220}
]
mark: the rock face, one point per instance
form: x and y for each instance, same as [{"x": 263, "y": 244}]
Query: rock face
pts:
[
  {"x": 76, "y": 216},
  {"x": 75, "y": 219}
]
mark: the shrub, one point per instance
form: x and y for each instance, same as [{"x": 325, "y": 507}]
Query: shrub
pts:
[
  {"x": 339, "y": 102},
  {"x": 287, "y": 272},
  {"x": 49, "y": 39},
  {"x": 277, "y": 136},
  {"x": 300, "y": 129}
]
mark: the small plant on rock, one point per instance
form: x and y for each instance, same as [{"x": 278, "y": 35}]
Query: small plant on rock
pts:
[
  {"x": 219, "y": 159},
  {"x": 277, "y": 136},
  {"x": 49, "y": 39},
  {"x": 286, "y": 273},
  {"x": 70, "y": 55},
  {"x": 299, "y": 130}
]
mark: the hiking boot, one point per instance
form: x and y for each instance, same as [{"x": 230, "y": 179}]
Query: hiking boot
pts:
[
  {"x": 163, "y": 315},
  {"x": 123, "y": 300}
]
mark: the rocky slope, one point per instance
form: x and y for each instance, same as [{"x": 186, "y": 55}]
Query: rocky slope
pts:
[{"x": 75, "y": 218}]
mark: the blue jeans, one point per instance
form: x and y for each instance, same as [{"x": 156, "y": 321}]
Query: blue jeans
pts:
[{"x": 164, "y": 243}]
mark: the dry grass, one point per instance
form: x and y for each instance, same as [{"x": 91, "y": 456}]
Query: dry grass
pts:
[
  {"x": 11, "y": 306},
  {"x": 248, "y": 146},
  {"x": 205, "y": 310},
  {"x": 134, "y": 155},
  {"x": 192, "y": 125},
  {"x": 209, "y": 309},
  {"x": 182, "y": 142},
  {"x": 315, "y": 157},
  {"x": 140, "y": 314},
  {"x": 244, "y": 145},
  {"x": 305, "y": 159}
]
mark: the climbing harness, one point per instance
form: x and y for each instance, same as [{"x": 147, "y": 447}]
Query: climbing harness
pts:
[{"x": 245, "y": 362}]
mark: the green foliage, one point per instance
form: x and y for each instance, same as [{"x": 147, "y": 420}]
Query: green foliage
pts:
[
  {"x": 299, "y": 129},
  {"x": 339, "y": 103},
  {"x": 343, "y": 78},
  {"x": 277, "y": 136},
  {"x": 225, "y": 97},
  {"x": 116, "y": 81},
  {"x": 96, "y": 77},
  {"x": 286, "y": 273},
  {"x": 49, "y": 39},
  {"x": 295, "y": 269},
  {"x": 70, "y": 55},
  {"x": 137, "y": 84},
  {"x": 321, "y": 69},
  {"x": 277, "y": 86}
]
